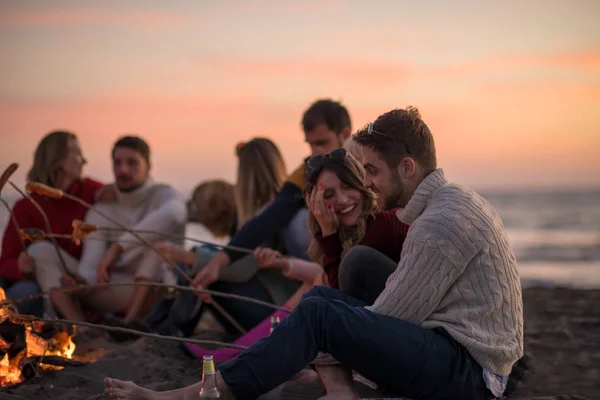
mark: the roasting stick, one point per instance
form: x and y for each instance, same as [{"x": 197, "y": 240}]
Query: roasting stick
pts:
[
  {"x": 63, "y": 264},
  {"x": 179, "y": 237},
  {"x": 35, "y": 234},
  {"x": 168, "y": 235},
  {"x": 47, "y": 191},
  {"x": 27, "y": 319},
  {"x": 150, "y": 284},
  {"x": 15, "y": 223}
]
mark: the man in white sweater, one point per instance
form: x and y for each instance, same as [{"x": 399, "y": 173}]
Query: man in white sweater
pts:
[
  {"x": 111, "y": 255},
  {"x": 449, "y": 322}
]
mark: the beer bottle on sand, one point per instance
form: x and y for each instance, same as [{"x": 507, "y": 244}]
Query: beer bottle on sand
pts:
[
  {"x": 209, "y": 379},
  {"x": 274, "y": 322}
]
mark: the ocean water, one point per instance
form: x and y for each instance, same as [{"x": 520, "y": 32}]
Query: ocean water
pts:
[{"x": 555, "y": 234}]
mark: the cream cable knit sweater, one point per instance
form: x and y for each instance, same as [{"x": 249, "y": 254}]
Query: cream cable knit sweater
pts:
[{"x": 458, "y": 272}]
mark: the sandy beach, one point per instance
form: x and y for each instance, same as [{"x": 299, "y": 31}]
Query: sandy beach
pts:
[{"x": 562, "y": 337}]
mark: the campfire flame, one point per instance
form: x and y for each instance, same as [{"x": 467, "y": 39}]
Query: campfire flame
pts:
[
  {"x": 10, "y": 373},
  {"x": 11, "y": 367}
]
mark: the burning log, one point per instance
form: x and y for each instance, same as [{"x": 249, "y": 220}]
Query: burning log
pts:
[
  {"x": 57, "y": 361},
  {"x": 24, "y": 359},
  {"x": 28, "y": 347}
]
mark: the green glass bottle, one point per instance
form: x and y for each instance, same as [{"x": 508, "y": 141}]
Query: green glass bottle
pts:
[{"x": 209, "y": 379}]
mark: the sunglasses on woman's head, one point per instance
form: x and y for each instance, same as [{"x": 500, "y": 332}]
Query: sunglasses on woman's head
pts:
[{"x": 316, "y": 162}]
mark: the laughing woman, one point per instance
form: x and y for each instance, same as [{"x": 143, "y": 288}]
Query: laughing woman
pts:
[{"x": 343, "y": 214}]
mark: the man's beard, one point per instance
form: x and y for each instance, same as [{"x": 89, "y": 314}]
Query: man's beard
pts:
[
  {"x": 393, "y": 197},
  {"x": 127, "y": 189},
  {"x": 130, "y": 189}
]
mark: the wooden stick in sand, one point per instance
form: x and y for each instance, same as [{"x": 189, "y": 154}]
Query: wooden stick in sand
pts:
[{"x": 45, "y": 190}]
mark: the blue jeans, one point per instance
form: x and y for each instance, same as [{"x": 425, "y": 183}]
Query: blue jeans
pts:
[
  {"x": 364, "y": 272},
  {"x": 21, "y": 289},
  {"x": 402, "y": 358}
]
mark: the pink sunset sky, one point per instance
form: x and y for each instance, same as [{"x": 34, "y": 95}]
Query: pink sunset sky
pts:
[{"x": 510, "y": 90}]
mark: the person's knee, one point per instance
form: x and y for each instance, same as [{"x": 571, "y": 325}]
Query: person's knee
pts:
[
  {"x": 354, "y": 262},
  {"x": 22, "y": 289},
  {"x": 42, "y": 249},
  {"x": 317, "y": 291},
  {"x": 312, "y": 307},
  {"x": 150, "y": 268},
  {"x": 88, "y": 274},
  {"x": 360, "y": 254}
]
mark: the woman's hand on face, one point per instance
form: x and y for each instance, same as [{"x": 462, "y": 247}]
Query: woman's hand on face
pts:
[
  {"x": 325, "y": 215},
  {"x": 269, "y": 258}
]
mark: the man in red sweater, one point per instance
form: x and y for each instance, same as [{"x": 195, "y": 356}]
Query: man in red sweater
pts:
[{"x": 58, "y": 151}]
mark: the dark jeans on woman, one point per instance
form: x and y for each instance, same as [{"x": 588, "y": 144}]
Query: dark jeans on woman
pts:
[
  {"x": 248, "y": 315},
  {"x": 179, "y": 316},
  {"x": 20, "y": 289},
  {"x": 363, "y": 273},
  {"x": 402, "y": 358}
]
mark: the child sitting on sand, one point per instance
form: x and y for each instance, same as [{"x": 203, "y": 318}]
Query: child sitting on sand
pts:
[{"x": 211, "y": 211}]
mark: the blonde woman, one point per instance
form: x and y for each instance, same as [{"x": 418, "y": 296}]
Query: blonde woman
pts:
[
  {"x": 261, "y": 173},
  {"x": 58, "y": 162}
]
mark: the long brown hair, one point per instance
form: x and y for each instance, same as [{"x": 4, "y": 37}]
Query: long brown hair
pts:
[
  {"x": 49, "y": 154},
  {"x": 261, "y": 173},
  {"x": 352, "y": 174}
]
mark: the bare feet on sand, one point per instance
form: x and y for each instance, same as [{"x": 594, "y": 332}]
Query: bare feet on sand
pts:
[{"x": 120, "y": 390}]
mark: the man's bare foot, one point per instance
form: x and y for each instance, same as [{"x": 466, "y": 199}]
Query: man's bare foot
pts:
[{"x": 120, "y": 390}]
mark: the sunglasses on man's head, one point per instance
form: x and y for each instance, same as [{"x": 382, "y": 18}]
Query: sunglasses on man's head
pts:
[{"x": 371, "y": 131}]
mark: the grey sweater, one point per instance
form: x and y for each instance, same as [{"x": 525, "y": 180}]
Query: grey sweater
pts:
[{"x": 459, "y": 273}]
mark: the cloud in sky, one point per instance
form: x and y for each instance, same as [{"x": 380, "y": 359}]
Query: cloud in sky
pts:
[
  {"x": 146, "y": 19},
  {"x": 270, "y": 6},
  {"x": 580, "y": 60}
]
